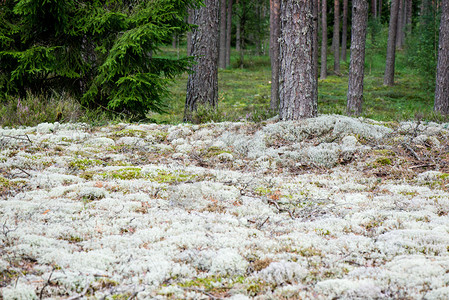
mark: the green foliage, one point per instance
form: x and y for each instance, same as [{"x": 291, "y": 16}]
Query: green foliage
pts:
[
  {"x": 104, "y": 52},
  {"x": 422, "y": 49}
]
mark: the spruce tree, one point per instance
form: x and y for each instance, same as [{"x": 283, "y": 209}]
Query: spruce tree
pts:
[{"x": 103, "y": 52}]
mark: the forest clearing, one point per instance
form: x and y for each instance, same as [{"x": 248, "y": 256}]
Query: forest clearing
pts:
[{"x": 320, "y": 208}]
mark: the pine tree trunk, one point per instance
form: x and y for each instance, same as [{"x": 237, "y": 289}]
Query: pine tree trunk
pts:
[
  {"x": 222, "y": 46},
  {"x": 357, "y": 64},
  {"x": 391, "y": 46},
  {"x": 344, "y": 35},
  {"x": 442, "y": 81},
  {"x": 379, "y": 15},
  {"x": 315, "y": 44},
  {"x": 237, "y": 30},
  {"x": 228, "y": 34},
  {"x": 202, "y": 84},
  {"x": 323, "y": 73},
  {"x": 298, "y": 83},
  {"x": 374, "y": 8},
  {"x": 189, "y": 34},
  {"x": 409, "y": 17},
  {"x": 274, "y": 52},
  {"x": 400, "y": 28},
  {"x": 336, "y": 37}
]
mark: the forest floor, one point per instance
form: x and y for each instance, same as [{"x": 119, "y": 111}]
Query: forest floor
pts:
[{"x": 326, "y": 207}]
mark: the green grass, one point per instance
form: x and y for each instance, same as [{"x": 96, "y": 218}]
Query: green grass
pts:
[{"x": 244, "y": 94}]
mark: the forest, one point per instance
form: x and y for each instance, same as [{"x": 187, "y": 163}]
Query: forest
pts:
[
  {"x": 224, "y": 149},
  {"x": 128, "y": 61}
]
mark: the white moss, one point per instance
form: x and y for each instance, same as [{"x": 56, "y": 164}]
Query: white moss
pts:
[
  {"x": 283, "y": 272},
  {"x": 19, "y": 292},
  {"x": 100, "y": 141},
  {"x": 131, "y": 141}
]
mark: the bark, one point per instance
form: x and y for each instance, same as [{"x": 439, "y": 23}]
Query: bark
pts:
[
  {"x": 441, "y": 104},
  {"x": 344, "y": 35},
  {"x": 357, "y": 64},
  {"x": 391, "y": 45},
  {"x": 202, "y": 83},
  {"x": 238, "y": 30},
  {"x": 323, "y": 73},
  {"x": 298, "y": 83},
  {"x": 409, "y": 17},
  {"x": 189, "y": 34},
  {"x": 228, "y": 33},
  {"x": 274, "y": 51},
  {"x": 222, "y": 47},
  {"x": 400, "y": 24},
  {"x": 336, "y": 37},
  {"x": 315, "y": 45},
  {"x": 374, "y": 8},
  {"x": 379, "y": 15}
]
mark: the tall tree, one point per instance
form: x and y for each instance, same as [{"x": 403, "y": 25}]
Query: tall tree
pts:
[
  {"x": 336, "y": 37},
  {"x": 409, "y": 18},
  {"x": 189, "y": 34},
  {"x": 357, "y": 64},
  {"x": 222, "y": 46},
  {"x": 344, "y": 31},
  {"x": 391, "y": 45},
  {"x": 400, "y": 26},
  {"x": 323, "y": 73},
  {"x": 441, "y": 104},
  {"x": 298, "y": 83},
  {"x": 374, "y": 8},
  {"x": 274, "y": 51},
  {"x": 228, "y": 33},
  {"x": 379, "y": 15},
  {"x": 238, "y": 28},
  {"x": 202, "y": 84}
]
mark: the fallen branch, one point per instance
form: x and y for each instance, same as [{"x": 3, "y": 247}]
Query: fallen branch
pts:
[
  {"x": 47, "y": 283},
  {"x": 263, "y": 223},
  {"x": 19, "y": 137}
]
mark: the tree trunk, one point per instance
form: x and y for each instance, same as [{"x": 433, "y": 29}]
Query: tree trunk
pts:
[
  {"x": 228, "y": 34},
  {"x": 202, "y": 84},
  {"x": 400, "y": 24},
  {"x": 298, "y": 83},
  {"x": 237, "y": 30},
  {"x": 222, "y": 47},
  {"x": 189, "y": 34},
  {"x": 442, "y": 81},
  {"x": 391, "y": 46},
  {"x": 379, "y": 15},
  {"x": 374, "y": 8},
  {"x": 274, "y": 52},
  {"x": 409, "y": 17},
  {"x": 315, "y": 45},
  {"x": 336, "y": 37},
  {"x": 323, "y": 73},
  {"x": 344, "y": 35},
  {"x": 357, "y": 64}
]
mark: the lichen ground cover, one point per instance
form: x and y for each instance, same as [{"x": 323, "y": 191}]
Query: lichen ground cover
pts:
[{"x": 330, "y": 207}]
